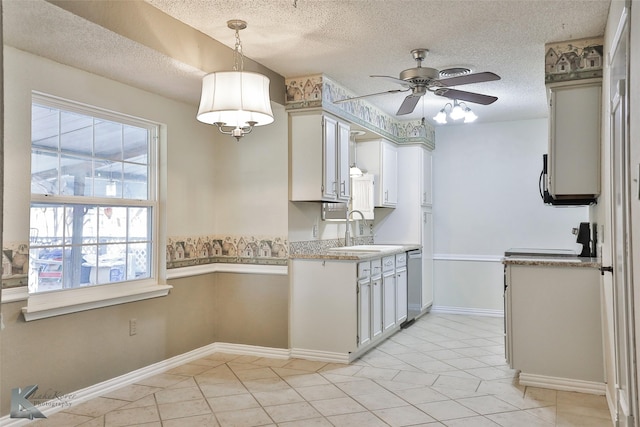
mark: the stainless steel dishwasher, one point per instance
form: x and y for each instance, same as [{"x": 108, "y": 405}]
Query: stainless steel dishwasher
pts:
[{"x": 414, "y": 284}]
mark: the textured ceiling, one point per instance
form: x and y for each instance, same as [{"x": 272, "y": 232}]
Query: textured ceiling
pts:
[
  {"x": 347, "y": 40},
  {"x": 351, "y": 39}
]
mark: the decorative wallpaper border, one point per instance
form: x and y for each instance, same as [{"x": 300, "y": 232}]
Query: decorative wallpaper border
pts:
[
  {"x": 15, "y": 264},
  {"x": 197, "y": 250},
  {"x": 319, "y": 91},
  {"x": 573, "y": 60}
]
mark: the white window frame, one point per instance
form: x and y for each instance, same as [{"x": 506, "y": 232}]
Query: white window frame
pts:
[{"x": 59, "y": 302}]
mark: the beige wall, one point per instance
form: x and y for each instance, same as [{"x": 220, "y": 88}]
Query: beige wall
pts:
[
  {"x": 70, "y": 352},
  {"x": 210, "y": 185}
]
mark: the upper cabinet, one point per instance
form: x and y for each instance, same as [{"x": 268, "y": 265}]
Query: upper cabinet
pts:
[
  {"x": 380, "y": 158},
  {"x": 319, "y": 157},
  {"x": 574, "y": 139},
  {"x": 426, "y": 189}
]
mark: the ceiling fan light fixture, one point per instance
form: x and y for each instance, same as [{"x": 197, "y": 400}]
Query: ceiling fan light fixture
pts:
[
  {"x": 469, "y": 116},
  {"x": 441, "y": 117},
  {"x": 235, "y": 101},
  {"x": 457, "y": 112}
]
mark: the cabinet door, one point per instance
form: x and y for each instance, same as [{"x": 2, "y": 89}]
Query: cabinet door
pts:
[
  {"x": 329, "y": 158},
  {"x": 427, "y": 258},
  {"x": 401, "y": 295},
  {"x": 364, "y": 312},
  {"x": 574, "y": 143},
  {"x": 376, "y": 307},
  {"x": 389, "y": 174},
  {"x": 389, "y": 301},
  {"x": 343, "y": 178},
  {"x": 426, "y": 196}
]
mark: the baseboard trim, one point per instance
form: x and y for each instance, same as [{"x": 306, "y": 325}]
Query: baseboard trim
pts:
[
  {"x": 320, "y": 356},
  {"x": 468, "y": 311},
  {"x": 564, "y": 384},
  {"x": 253, "y": 350},
  {"x": 108, "y": 386}
]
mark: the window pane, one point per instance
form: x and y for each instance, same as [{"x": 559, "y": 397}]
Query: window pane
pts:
[
  {"x": 136, "y": 144},
  {"x": 108, "y": 178},
  {"x": 113, "y": 225},
  {"x": 139, "y": 224},
  {"x": 78, "y": 141},
  {"x": 45, "y": 124},
  {"x": 75, "y": 217},
  {"x": 75, "y": 175},
  {"x": 45, "y": 269},
  {"x": 49, "y": 222},
  {"x": 111, "y": 263},
  {"x": 90, "y": 225},
  {"x": 135, "y": 182},
  {"x": 138, "y": 261},
  {"x": 44, "y": 172},
  {"x": 108, "y": 140},
  {"x": 70, "y": 121}
]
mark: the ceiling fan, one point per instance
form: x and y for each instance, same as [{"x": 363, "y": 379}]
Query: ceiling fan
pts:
[{"x": 420, "y": 80}]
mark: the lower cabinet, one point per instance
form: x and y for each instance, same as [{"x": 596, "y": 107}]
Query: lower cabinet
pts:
[
  {"x": 389, "y": 292},
  {"x": 332, "y": 320},
  {"x": 553, "y": 326},
  {"x": 401, "y": 288},
  {"x": 364, "y": 312}
]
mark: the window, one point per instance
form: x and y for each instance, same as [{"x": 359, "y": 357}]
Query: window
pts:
[{"x": 93, "y": 197}]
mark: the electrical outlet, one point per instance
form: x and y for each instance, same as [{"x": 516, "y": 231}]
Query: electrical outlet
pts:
[
  {"x": 361, "y": 229},
  {"x": 314, "y": 231},
  {"x": 133, "y": 327}
]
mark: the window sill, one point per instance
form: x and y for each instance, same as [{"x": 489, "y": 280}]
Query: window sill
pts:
[{"x": 56, "y": 303}]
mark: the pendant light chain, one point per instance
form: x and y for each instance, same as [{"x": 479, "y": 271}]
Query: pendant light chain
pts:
[{"x": 238, "y": 56}]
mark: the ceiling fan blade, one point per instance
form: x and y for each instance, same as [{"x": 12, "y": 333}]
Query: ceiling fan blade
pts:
[
  {"x": 461, "y": 95},
  {"x": 394, "y": 80},
  {"x": 408, "y": 105},
  {"x": 371, "y": 94},
  {"x": 468, "y": 79}
]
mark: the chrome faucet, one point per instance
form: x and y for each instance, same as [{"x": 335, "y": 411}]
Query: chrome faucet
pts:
[{"x": 347, "y": 233}]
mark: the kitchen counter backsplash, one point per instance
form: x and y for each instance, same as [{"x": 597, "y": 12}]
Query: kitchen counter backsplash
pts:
[
  {"x": 197, "y": 250},
  {"x": 311, "y": 247}
]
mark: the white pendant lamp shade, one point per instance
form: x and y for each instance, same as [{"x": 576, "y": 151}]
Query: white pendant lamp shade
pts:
[{"x": 235, "y": 99}]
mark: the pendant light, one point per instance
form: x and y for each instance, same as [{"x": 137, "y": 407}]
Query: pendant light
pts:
[{"x": 235, "y": 101}]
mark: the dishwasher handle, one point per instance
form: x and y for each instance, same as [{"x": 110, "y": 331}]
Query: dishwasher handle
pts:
[{"x": 415, "y": 254}]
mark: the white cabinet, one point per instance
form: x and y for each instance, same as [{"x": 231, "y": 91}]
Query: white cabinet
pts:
[
  {"x": 362, "y": 195},
  {"x": 426, "y": 188},
  {"x": 426, "y": 233},
  {"x": 412, "y": 221},
  {"x": 401, "y": 288},
  {"x": 389, "y": 292},
  {"x": 364, "y": 311},
  {"x": 380, "y": 158},
  {"x": 339, "y": 309},
  {"x": 553, "y": 323},
  {"x": 574, "y": 138},
  {"x": 319, "y": 157},
  {"x": 376, "y": 298}
]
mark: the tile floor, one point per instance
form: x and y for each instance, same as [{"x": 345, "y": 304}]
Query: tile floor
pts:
[{"x": 444, "y": 370}]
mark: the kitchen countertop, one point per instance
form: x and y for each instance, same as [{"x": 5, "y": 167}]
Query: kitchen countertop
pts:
[
  {"x": 550, "y": 261},
  {"x": 355, "y": 255}
]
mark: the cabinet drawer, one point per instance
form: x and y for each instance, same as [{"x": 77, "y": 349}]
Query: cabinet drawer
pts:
[
  {"x": 388, "y": 263},
  {"x": 376, "y": 267},
  {"x": 401, "y": 260},
  {"x": 364, "y": 270}
]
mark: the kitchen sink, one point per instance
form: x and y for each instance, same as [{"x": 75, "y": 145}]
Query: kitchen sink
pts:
[{"x": 365, "y": 248}]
